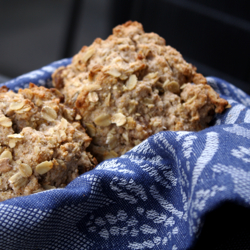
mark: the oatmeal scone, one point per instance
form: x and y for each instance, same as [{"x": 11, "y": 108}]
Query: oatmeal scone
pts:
[
  {"x": 131, "y": 86},
  {"x": 42, "y": 143}
]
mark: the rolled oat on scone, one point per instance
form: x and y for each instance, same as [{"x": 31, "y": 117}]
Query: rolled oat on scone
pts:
[
  {"x": 42, "y": 145},
  {"x": 131, "y": 86}
]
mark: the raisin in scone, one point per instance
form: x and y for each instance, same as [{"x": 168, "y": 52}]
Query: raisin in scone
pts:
[
  {"x": 42, "y": 145},
  {"x": 131, "y": 86}
]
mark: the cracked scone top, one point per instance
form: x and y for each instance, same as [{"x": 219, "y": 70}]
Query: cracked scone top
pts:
[
  {"x": 131, "y": 86},
  {"x": 39, "y": 148}
]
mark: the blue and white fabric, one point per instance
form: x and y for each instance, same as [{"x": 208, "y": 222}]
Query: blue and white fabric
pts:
[{"x": 155, "y": 196}]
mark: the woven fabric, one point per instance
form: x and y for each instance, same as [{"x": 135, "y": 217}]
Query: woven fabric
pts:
[{"x": 156, "y": 196}]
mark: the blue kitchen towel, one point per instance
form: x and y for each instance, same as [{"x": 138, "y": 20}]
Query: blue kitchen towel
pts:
[{"x": 156, "y": 196}]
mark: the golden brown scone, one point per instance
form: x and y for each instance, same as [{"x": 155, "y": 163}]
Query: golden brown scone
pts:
[
  {"x": 39, "y": 148},
  {"x": 131, "y": 86}
]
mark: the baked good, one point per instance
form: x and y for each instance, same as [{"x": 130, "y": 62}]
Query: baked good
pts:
[
  {"x": 42, "y": 143},
  {"x": 131, "y": 86}
]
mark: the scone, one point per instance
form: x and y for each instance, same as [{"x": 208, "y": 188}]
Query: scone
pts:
[
  {"x": 40, "y": 147},
  {"x": 131, "y": 86}
]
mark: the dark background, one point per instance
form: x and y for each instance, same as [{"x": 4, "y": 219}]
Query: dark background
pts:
[{"x": 214, "y": 35}]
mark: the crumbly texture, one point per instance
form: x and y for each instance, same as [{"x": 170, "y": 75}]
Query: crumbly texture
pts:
[
  {"x": 42, "y": 145},
  {"x": 131, "y": 86}
]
